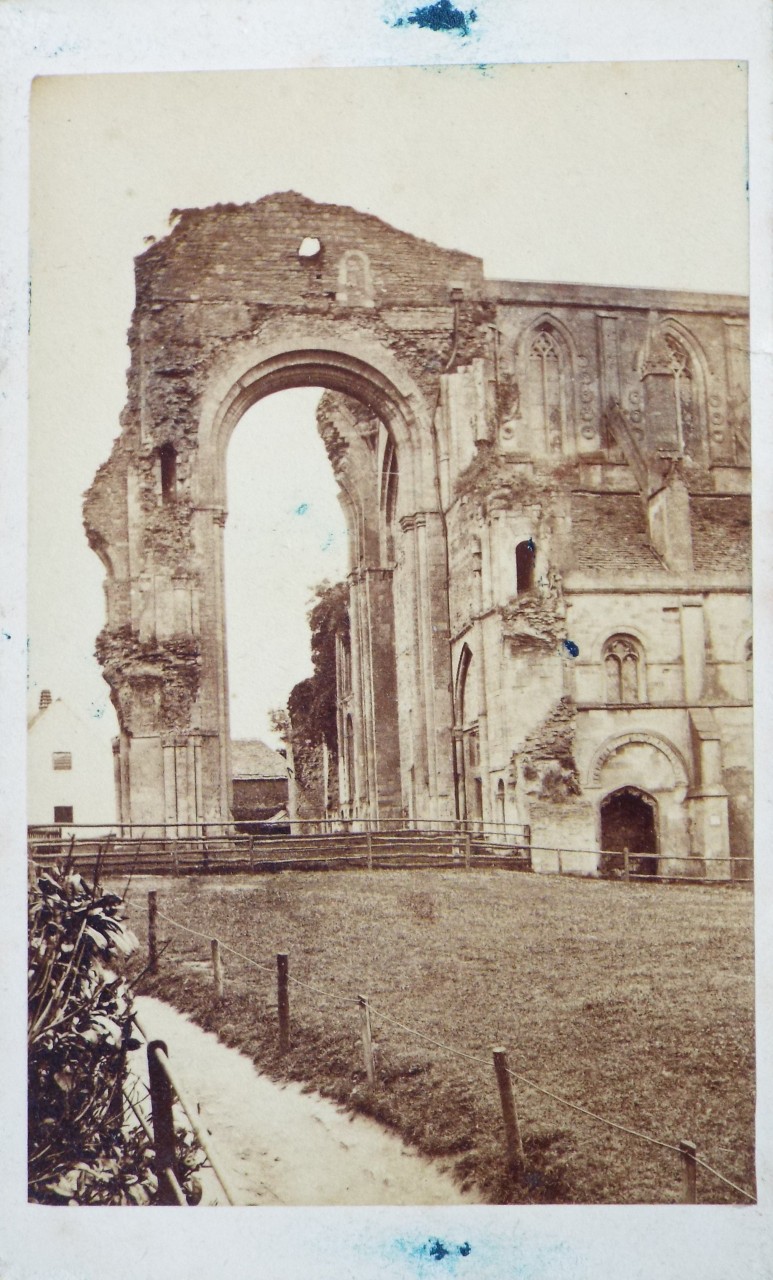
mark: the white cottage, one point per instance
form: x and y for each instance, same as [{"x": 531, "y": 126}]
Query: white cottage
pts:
[{"x": 69, "y": 768}]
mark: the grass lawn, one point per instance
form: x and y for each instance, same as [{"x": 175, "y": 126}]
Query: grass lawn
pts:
[{"x": 635, "y": 1001}]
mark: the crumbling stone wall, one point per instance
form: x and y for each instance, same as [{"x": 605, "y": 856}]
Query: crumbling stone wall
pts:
[
  {"x": 546, "y": 761},
  {"x": 606, "y": 428}
]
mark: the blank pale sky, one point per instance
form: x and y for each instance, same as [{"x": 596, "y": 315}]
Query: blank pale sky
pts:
[{"x": 627, "y": 174}]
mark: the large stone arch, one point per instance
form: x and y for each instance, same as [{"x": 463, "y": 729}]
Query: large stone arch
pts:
[
  {"x": 229, "y": 312},
  {"x": 657, "y": 741},
  {"x": 363, "y": 370}
]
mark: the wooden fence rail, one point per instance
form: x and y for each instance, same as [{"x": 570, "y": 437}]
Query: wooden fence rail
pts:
[{"x": 374, "y": 850}]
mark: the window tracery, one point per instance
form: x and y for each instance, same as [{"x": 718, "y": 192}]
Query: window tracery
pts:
[
  {"x": 546, "y": 390},
  {"x": 622, "y": 663}
]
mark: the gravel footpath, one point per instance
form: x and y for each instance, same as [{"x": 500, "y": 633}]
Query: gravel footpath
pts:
[{"x": 279, "y": 1145}]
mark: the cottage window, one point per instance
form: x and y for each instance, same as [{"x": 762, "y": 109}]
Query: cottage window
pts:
[
  {"x": 63, "y": 813},
  {"x": 62, "y": 759}
]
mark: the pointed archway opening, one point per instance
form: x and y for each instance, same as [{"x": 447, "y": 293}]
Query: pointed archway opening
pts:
[
  {"x": 310, "y": 481},
  {"x": 629, "y": 824},
  {"x": 286, "y": 535}
]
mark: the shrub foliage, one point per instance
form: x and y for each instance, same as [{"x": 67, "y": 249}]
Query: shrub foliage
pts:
[{"x": 81, "y": 1150}]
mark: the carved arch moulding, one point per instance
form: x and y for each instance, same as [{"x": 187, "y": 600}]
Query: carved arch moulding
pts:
[{"x": 611, "y": 747}]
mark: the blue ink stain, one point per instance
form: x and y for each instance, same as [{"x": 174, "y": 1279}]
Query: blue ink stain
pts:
[
  {"x": 572, "y": 648},
  {"x": 6, "y": 635},
  {"x": 441, "y": 16},
  {"x": 327, "y": 544},
  {"x": 437, "y": 1250},
  {"x": 302, "y": 509},
  {"x": 530, "y": 545}
]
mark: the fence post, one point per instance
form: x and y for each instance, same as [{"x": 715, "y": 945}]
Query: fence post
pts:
[
  {"x": 514, "y": 1145},
  {"x": 283, "y": 1000},
  {"x": 152, "y": 932},
  {"x": 689, "y": 1172},
  {"x": 217, "y": 969},
  {"x": 370, "y": 846},
  {"x": 467, "y": 850},
  {"x": 163, "y": 1124},
  {"x": 626, "y": 865},
  {"x": 367, "y": 1039}
]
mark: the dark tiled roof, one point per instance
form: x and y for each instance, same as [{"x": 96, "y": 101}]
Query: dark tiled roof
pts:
[
  {"x": 721, "y": 533},
  {"x": 609, "y": 534}
]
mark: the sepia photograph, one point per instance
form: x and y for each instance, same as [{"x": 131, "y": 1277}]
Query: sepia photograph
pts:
[{"x": 389, "y": 784}]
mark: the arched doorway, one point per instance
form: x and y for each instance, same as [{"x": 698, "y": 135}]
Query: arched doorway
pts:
[{"x": 629, "y": 822}]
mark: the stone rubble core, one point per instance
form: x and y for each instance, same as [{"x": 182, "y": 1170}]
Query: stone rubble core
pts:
[{"x": 547, "y": 494}]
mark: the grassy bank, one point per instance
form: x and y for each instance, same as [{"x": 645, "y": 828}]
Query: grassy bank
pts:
[{"x": 635, "y": 1001}]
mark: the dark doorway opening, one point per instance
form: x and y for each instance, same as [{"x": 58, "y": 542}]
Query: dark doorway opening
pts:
[{"x": 628, "y": 822}]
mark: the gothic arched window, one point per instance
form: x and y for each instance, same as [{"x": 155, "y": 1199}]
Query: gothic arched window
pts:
[
  {"x": 349, "y": 758},
  {"x": 467, "y": 710},
  {"x": 390, "y": 485},
  {"x": 622, "y": 669},
  {"x": 681, "y": 368},
  {"x": 546, "y": 393}
]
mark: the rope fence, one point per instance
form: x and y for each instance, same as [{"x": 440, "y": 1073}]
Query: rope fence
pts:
[{"x": 684, "y": 1149}]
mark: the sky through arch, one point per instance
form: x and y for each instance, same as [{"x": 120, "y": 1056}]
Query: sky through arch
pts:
[{"x": 285, "y": 533}]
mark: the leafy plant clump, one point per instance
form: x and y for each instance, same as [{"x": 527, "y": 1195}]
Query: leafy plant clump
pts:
[{"x": 81, "y": 1150}]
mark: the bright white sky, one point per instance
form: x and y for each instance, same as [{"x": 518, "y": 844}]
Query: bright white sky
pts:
[{"x": 628, "y": 174}]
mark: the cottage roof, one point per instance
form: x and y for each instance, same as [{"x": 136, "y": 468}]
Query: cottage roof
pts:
[{"x": 251, "y": 758}]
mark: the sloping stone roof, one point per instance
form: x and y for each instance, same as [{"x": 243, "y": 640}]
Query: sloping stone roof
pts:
[
  {"x": 610, "y": 535},
  {"x": 721, "y": 534}
]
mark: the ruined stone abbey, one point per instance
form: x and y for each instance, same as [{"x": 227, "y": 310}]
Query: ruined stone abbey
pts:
[{"x": 547, "y": 495}]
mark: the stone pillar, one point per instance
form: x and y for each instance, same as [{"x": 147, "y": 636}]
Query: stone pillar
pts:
[
  {"x": 385, "y": 791},
  {"x": 424, "y": 612},
  {"x": 693, "y": 646},
  {"x": 707, "y": 801},
  {"x": 609, "y": 356},
  {"x": 211, "y": 711},
  {"x": 735, "y": 445},
  {"x": 116, "y": 745},
  {"x": 362, "y": 717},
  {"x": 432, "y": 686},
  {"x": 147, "y": 808},
  {"x": 411, "y": 677},
  {"x": 124, "y": 784}
]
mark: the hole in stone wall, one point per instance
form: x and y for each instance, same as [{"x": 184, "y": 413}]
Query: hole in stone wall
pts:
[
  {"x": 309, "y": 247},
  {"x": 524, "y": 566},
  {"x": 168, "y": 462}
]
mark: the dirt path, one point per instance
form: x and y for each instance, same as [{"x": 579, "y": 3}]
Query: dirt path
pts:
[{"x": 281, "y": 1146}]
